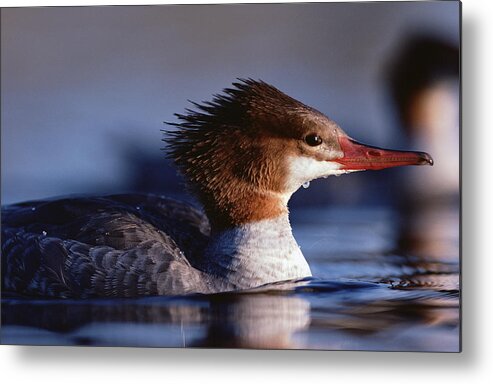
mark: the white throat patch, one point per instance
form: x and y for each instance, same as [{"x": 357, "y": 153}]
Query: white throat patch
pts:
[
  {"x": 256, "y": 253},
  {"x": 303, "y": 169}
]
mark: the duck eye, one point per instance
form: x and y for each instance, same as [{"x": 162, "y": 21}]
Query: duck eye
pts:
[{"x": 313, "y": 140}]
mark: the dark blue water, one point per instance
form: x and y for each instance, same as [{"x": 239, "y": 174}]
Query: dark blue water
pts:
[{"x": 384, "y": 280}]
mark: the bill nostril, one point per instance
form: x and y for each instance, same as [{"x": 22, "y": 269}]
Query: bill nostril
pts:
[{"x": 373, "y": 153}]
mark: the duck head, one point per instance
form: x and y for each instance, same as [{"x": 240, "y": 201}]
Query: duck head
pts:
[{"x": 249, "y": 149}]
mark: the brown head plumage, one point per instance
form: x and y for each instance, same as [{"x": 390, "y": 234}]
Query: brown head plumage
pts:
[{"x": 232, "y": 150}]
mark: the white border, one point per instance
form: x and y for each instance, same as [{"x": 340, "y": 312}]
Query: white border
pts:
[{"x": 118, "y": 365}]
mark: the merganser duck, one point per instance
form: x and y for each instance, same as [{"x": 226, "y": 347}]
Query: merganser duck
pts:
[{"x": 243, "y": 155}]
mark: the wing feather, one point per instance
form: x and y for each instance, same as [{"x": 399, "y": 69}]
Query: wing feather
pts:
[{"x": 119, "y": 245}]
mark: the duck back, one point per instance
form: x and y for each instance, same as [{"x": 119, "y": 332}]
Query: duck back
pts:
[{"x": 118, "y": 245}]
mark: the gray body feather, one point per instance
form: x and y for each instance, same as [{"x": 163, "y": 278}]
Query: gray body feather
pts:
[{"x": 119, "y": 245}]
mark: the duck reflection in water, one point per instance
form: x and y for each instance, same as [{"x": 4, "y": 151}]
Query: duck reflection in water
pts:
[
  {"x": 226, "y": 320},
  {"x": 304, "y": 314}
]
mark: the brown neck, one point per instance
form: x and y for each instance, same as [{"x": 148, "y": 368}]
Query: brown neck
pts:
[
  {"x": 238, "y": 179},
  {"x": 234, "y": 205}
]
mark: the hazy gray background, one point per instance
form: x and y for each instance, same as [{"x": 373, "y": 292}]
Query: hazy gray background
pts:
[{"x": 84, "y": 90}]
